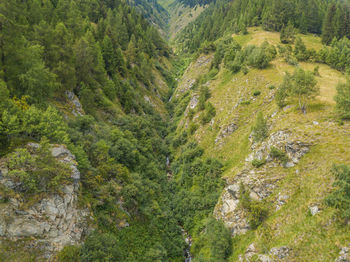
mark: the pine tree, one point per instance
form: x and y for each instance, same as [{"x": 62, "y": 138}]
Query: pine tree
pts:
[
  {"x": 343, "y": 99},
  {"x": 328, "y": 29}
]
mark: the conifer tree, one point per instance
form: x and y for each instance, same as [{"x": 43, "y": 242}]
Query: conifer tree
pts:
[{"x": 328, "y": 29}]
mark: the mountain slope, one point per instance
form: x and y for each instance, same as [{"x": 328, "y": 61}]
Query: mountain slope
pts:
[{"x": 312, "y": 142}]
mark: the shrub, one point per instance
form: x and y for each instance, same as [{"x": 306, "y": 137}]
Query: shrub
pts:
[
  {"x": 257, "y": 211},
  {"x": 343, "y": 99},
  {"x": 272, "y": 87},
  {"x": 208, "y": 114},
  {"x": 191, "y": 113},
  {"x": 245, "y": 102},
  {"x": 38, "y": 172},
  {"x": 69, "y": 254},
  {"x": 258, "y": 163},
  {"x": 301, "y": 86},
  {"x": 260, "y": 130},
  {"x": 256, "y": 93},
  {"x": 340, "y": 197},
  {"x": 279, "y": 155},
  {"x": 316, "y": 71},
  {"x": 192, "y": 128},
  {"x": 101, "y": 247}
]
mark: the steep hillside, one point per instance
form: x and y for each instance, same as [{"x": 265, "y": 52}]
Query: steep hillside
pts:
[
  {"x": 229, "y": 143},
  {"x": 286, "y": 176},
  {"x": 180, "y": 15}
]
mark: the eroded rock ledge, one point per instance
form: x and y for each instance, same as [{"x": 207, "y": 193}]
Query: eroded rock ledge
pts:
[
  {"x": 261, "y": 182},
  {"x": 53, "y": 221}
]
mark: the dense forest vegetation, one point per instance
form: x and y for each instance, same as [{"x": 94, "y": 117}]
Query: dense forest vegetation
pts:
[
  {"x": 105, "y": 52},
  {"x": 193, "y": 3},
  {"x": 136, "y": 166},
  {"x": 331, "y": 19}
]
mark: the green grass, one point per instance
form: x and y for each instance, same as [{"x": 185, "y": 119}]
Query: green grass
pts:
[{"x": 311, "y": 238}]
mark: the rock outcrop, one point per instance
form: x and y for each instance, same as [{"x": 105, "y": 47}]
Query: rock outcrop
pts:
[
  {"x": 53, "y": 221},
  {"x": 275, "y": 254},
  {"x": 344, "y": 255},
  {"x": 225, "y": 132},
  {"x": 260, "y": 182},
  {"x": 77, "y": 108}
]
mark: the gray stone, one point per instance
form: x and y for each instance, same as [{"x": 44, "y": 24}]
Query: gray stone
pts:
[
  {"x": 225, "y": 132},
  {"x": 264, "y": 258},
  {"x": 70, "y": 95},
  {"x": 313, "y": 210},
  {"x": 279, "y": 252},
  {"x": 344, "y": 255},
  {"x": 22, "y": 227},
  {"x": 61, "y": 151}
]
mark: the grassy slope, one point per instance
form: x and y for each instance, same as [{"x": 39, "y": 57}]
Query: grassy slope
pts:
[
  {"x": 180, "y": 16},
  {"x": 315, "y": 238}
]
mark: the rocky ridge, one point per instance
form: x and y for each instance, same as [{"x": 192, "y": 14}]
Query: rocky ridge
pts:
[
  {"x": 260, "y": 182},
  {"x": 52, "y": 222}
]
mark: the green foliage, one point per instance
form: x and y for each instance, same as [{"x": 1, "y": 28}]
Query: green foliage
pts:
[
  {"x": 258, "y": 163},
  {"x": 273, "y": 15},
  {"x": 340, "y": 197},
  {"x": 337, "y": 55},
  {"x": 257, "y": 211},
  {"x": 316, "y": 71},
  {"x": 208, "y": 114},
  {"x": 301, "y": 86},
  {"x": 203, "y": 97},
  {"x": 343, "y": 99},
  {"x": 69, "y": 254},
  {"x": 336, "y": 22},
  {"x": 101, "y": 247},
  {"x": 256, "y": 93},
  {"x": 300, "y": 51},
  {"x": 278, "y": 154},
  {"x": 38, "y": 171},
  {"x": 287, "y": 35},
  {"x": 213, "y": 243},
  {"x": 260, "y": 129}
]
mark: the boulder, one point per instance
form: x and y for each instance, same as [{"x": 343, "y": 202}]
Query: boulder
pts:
[{"x": 344, "y": 255}]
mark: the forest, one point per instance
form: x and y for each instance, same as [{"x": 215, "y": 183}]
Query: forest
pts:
[{"x": 136, "y": 163}]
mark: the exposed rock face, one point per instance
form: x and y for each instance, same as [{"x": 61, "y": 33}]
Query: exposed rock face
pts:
[
  {"x": 77, "y": 108},
  {"x": 344, "y": 255},
  {"x": 259, "y": 182},
  {"x": 52, "y": 222},
  {"x": 275, "y": 254},
  {"x": 281, "y": 140},
  {"x": 260, "y": 186},
  {"x": 225, "y": 132},
  {"x": 194, "y": 102},
  {"x": 279, "y": 253}
]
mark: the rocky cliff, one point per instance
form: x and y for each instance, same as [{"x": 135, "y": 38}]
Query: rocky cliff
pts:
[{"x": 51, "y": 222}]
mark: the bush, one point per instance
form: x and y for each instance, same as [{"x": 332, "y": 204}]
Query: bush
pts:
[
  {"x": 256, "y": 93},
  {"x": 192, "y": 128},
  {"x": 257, "y": 212},
  {"x": 258, "y": 163},
  {"x": 69, "y": 254},
  {"x": 260, "y": 130},
  {"x": 38, "y": 172},
  {"x": 208, "y": 114},
  {"x": 245, "y": 102},
  {"x": 101, "y": 247},
  {"x": 343, "y": 99},
  {"x": 279, "y": 155},
  {"x": 340, "y": 197},
  {"x": 271, "y": 87}
]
